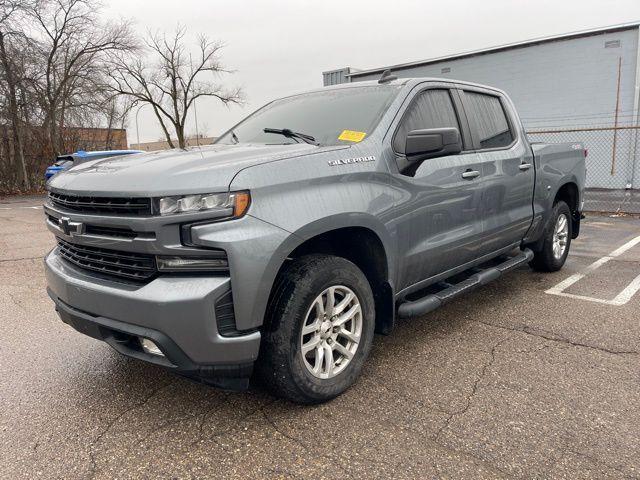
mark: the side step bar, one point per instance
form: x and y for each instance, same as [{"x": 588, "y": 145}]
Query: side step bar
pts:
[{"x": 434, "y": 300}]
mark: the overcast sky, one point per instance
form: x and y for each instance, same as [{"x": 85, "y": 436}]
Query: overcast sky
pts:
[{"x": 281, "y": 46}]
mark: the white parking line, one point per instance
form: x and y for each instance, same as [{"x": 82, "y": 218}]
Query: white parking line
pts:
[{"x": 620, "y": 299}]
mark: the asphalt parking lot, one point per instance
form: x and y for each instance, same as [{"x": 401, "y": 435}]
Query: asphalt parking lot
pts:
[{"x": 507, "y": 382}]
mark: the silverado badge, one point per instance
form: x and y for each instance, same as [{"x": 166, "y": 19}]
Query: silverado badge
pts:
[{"x": 347, "y": 161}]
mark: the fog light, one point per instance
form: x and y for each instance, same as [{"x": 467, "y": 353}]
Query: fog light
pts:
[
  {"x": 150, "y": 347},
  {"x": 191, "y": 264}
]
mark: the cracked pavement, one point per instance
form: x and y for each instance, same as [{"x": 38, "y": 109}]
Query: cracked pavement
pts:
[{"x": 507, "y": 382}]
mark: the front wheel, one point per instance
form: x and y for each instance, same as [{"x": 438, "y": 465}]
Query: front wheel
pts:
[
  {"x": 556, "y": 242},
  {"x": 318, "y": 330}
]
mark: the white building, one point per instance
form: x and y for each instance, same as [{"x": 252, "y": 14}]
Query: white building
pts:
[{"x": 575, "y": 81}]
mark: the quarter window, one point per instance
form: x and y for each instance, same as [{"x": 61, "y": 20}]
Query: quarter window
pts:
[
  {"x": 486, "y": 114},
  {"x": 431, "y": 109}
]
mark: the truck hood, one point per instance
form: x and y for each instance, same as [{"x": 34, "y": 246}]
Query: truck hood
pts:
[{"x": 172, "y": 172}]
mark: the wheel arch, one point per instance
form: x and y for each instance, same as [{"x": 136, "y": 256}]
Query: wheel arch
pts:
[
  {"x": 569, "y": 193},
  {"x": 360, "y": 242}
]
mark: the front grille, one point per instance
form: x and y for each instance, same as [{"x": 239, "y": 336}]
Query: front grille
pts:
[
  {"x": 105, "y": 205},
  {"x": 110, "y": 231},
  {"x": 101, "y": 230},
  {"x": 132, "y": 266}
]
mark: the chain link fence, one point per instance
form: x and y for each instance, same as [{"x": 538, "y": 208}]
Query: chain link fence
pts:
[{"x": 613, "y": 164}]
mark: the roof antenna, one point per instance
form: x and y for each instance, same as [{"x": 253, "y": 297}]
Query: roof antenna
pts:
[{"x": 387, "y": 77}]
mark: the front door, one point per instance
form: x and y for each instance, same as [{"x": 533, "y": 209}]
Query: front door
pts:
[{"x": 438, "y": 223}]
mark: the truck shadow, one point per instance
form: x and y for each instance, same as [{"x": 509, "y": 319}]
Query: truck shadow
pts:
[{"x": 429, "y": 362}]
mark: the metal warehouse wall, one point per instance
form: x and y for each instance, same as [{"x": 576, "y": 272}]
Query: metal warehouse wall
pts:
[
  {"x": 563, "y": 84},
  {"x": 334, "y": 77}
]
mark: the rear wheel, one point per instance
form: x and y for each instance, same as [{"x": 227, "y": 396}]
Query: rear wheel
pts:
[
  {"x": 319, "y": 329},
  {"x": 557, "y": 241}
]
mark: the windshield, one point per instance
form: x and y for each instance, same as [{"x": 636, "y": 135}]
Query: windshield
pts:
[{"x": 331, "y": 117}]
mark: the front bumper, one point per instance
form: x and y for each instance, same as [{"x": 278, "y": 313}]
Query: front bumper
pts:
[{"x": 176, "y": 312}]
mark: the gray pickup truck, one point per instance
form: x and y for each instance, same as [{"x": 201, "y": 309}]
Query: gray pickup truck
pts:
[{"x": 277, "y": 252}]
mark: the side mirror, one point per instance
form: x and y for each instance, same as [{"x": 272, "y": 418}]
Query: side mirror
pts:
[{"x": 432, "y": 142}]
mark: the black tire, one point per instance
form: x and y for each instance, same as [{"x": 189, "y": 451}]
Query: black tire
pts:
[
  {"x": 281, "y": 367},
  {"x": 544, "y": 260}
]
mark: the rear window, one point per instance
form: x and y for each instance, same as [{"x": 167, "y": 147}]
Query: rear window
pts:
[
  {"x": 487, "y": 115},
  {"x": 62, "y": 161}
]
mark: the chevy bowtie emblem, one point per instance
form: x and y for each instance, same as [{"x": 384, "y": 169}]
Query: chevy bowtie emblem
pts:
[{"x": 71, "y": 228}]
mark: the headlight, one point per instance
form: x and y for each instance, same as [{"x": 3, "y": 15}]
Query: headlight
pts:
[{"x": 237, "y": 203}]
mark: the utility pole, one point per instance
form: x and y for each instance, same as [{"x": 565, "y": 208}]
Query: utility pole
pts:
[{"x": 615, "y": 124}]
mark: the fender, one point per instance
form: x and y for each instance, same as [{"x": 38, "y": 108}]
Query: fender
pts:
[
  {"x": 545, "y": 205},
  {"x": 313, "y": 229}
]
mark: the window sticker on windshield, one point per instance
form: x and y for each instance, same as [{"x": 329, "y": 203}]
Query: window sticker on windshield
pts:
[{"x": 351, "y": 136}]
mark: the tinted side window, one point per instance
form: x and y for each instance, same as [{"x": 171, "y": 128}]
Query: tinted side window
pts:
[
  {"x": 486, "y": 114},
  {"x": 430, "y": 109}
]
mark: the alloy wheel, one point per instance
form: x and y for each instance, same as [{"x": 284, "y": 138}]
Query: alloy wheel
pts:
[{"x": 331, "y": 332}]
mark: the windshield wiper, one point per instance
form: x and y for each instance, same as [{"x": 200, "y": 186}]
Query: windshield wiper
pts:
[
  {"x": 291, "y": 134},
  {"x": 234, "y": 137}
]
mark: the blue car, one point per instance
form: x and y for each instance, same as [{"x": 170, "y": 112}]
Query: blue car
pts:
[{"x": 65, "y": 162}]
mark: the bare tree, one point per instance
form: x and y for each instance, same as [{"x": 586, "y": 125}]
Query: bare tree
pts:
[
  {"x": 73, "y": 46},
  {"x": 11, "y": 78},
  {"x": 115, "y": 110},
  {"x": 174, "y": 81}
]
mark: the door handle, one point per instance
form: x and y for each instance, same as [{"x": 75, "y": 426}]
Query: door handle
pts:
[
  {"x": 470, "y": 174},
  {"x": 524, "y": 166}
]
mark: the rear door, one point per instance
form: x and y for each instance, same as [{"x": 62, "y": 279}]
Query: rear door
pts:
[
  {"x": 507, "y": 168},
  {"x": 438, "y": 222}
]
